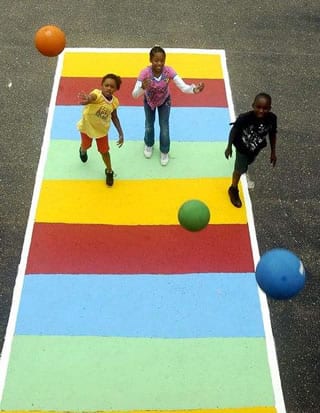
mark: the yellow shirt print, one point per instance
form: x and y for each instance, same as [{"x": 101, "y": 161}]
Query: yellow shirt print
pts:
[{"x": 96, "y": 116}]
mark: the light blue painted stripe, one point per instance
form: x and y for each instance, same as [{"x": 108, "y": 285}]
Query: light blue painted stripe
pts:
[
  {"x": 187, "y": 124},
  {"x": 177, "y": 306}
]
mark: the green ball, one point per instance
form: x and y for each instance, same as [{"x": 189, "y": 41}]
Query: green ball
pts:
[{"x": 194, "y": 215}]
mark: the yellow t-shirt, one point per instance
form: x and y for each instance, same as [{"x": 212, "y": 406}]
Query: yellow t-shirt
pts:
[{"x": 96, "y": 116}]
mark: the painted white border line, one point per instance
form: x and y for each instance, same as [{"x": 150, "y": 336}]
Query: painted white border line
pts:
[
  {"x": 6, "y": 349},
  {"x": 271, "y": 348},
  {"x": 142, "y": 50}
]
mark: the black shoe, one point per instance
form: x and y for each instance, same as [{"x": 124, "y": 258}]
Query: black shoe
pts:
[
  {"x": 83, "y": 155},
  {"x": 234, "y": 196},
  {"x": 109, "y": 178}
]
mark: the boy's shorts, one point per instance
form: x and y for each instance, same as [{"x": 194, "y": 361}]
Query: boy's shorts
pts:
[
  {"x": 102, "y": 143},
  {"x": 242, "y": 162}
]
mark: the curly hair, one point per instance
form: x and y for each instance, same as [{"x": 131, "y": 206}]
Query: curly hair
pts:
[{"x": 116, "y": 78}]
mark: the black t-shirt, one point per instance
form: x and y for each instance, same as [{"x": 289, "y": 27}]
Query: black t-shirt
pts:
[{"x": 250, "y": 133}]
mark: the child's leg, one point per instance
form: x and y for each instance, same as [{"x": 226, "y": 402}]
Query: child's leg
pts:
[
  {"x": 235, "y": 179},
  {"x": 233, "y": 190},
  {"x": 107, "y": 161},
  {"x": 103, "y": 148},
  {"x": 108, "y": 171},
  {"x": 86, "y": 143},
  {"x": 164, "y": 113},
  {"x": 149, "y": 125},
  {"x": 240, "y": 167}
]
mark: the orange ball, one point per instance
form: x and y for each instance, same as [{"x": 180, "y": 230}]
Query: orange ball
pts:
[{"x": 50, "y": 40}]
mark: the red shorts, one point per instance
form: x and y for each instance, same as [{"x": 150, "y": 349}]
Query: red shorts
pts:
[{"x": 102, "y": 143}]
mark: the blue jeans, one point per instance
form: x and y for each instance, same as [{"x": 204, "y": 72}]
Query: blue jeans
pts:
[{"x": 163, "y": 112}]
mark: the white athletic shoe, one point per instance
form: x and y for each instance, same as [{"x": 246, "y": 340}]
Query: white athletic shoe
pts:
[
  {"x": 164, "y": 159},
  {"x": 147, "y": 151},
  {"x": 250, "y": 182}
]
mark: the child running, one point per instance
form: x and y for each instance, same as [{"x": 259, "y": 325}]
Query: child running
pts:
[
  {"x": 248, "y": 134},
  {"x": 100, "y": 108},
  {"x": 153, "y": 83}
]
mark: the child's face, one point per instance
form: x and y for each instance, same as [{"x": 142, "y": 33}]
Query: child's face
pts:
[
  {"x": 108, "y": 87},
  {"x": 261, "y": 107},
  {"x": 157, "y": 62}
]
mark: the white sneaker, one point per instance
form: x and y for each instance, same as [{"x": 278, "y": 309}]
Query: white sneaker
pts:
[
  {"x": 164, "y": 159},
  {"x": 250, "y": 182},
  {"x": 147, "y": 151}
]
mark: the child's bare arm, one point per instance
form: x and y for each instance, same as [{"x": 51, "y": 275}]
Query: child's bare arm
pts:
[
  {"x": 116, "y": 122},
  {"x": 228, "y": 151},
  {"x": 273, "y": 156}
]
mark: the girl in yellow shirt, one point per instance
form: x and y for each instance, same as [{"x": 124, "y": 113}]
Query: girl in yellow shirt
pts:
[{"x": 100, "y": 109}]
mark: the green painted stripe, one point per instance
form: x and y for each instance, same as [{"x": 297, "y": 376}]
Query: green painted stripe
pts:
[
  {"x": 92, "y": 373},
  {"x": 187, "y": 160}
]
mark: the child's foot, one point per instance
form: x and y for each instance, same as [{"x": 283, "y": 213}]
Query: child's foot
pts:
[
  {"x": 83, "y": 155},
  {"x": 109, "y": 177},
  {"x": 234, "y": 196},
  {"x": 164, "y": 159},
  {"x": 147, "y": 151}
]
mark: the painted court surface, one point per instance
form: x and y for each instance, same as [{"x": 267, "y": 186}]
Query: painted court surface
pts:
[{"x": 117, "y": 307}]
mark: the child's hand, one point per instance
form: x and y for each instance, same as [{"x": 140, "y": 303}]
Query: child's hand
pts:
[
  {"x": 199, "y": 88},
  {"x": 228, "y": 152},
  {"x": 84, "y": 98},
  {"x": 120, "y": 141},
  {"x": 273, "y": 159},
  {"x": 146, "y": 84}
]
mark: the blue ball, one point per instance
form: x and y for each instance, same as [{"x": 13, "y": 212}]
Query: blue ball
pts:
[{"x": 280, "y": 274}]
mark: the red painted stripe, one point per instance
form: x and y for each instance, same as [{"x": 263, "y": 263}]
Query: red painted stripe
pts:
[
  {"x": 213, "y": 95},
  {"x": 111, "y": 249}
]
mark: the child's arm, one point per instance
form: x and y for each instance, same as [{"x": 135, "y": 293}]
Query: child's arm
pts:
[
  {"x": 232, "y": 135},
  {"x": 273, "y": 156},
  {"x": 185, "y": 88},
  {"x": 116, "y": 122},
  {"x": 86, "y": 98},
  {"x": 273, "y": 139}
]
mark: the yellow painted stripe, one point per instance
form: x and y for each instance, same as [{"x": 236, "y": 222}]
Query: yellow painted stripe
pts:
[
  {"x": 133, "y": 202},
  {"x": 91, "y": 64},
  {"x": 233, "y": 410}
]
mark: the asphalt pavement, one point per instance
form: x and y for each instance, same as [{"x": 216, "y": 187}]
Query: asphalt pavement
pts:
[{"x": 270, "y": 46}]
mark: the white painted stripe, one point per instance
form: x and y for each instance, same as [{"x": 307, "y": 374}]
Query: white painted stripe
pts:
[
  {"x": 271, "y": 349},
  {"x": 144, "y": 50},
  {"x": 6, "y": 350}
]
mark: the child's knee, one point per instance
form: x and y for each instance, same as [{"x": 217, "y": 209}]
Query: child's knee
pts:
[{"x": 103, "y": 146}]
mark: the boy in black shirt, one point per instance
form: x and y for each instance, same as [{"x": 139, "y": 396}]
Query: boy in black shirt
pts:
[{"x": 249, "y": 135}]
